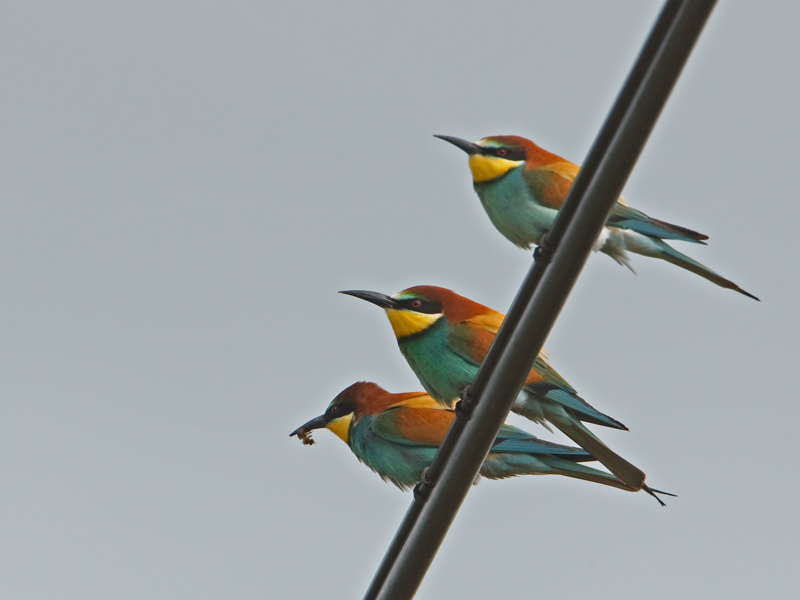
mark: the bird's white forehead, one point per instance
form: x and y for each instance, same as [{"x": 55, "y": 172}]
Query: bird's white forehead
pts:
[{"x": 489, "y": 143}]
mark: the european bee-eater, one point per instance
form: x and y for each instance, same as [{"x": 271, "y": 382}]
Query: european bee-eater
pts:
[
  {"x": 445, "y": 337},
  {"x": 397, "y": 435},
  {"x": 522, "y": 187}
]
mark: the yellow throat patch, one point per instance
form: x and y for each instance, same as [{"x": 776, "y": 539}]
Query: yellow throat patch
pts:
[
  {"x": 485, "y": 168},
  {"x": 341, "y": 426},
  {"x": 408, "y": 322}
]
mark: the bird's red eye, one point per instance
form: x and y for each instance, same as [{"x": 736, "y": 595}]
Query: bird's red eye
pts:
[
  {"x": 416, "y": 303},
  {"x": 502, "y": 152}
]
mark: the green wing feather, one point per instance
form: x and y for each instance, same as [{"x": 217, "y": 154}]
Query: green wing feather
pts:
[{"x": 625, "y": 217}]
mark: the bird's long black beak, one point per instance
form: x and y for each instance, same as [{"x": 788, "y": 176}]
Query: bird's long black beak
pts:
[
  {"x": 319, "y": 422},
  {"x": 468, "y": 147},
  {"x": 376, "y": 298}
]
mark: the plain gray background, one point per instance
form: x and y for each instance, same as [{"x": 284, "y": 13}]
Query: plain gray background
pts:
[{"x": 185, "y": 187}]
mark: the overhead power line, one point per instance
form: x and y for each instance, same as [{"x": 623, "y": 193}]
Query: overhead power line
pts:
[{"x": 557, "y": 263}]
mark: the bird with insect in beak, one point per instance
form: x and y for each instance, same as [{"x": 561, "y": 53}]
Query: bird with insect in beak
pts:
[
  {"x": 397, "y": 436},
  {"x": 522, "y": 187},
  {"x": 444, "y": 338}
]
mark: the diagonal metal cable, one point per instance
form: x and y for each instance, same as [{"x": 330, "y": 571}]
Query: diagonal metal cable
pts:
[{"x": 557, "y": 264}]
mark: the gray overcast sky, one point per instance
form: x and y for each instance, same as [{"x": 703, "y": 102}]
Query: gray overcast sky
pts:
[{"x": 185, "y": 186}]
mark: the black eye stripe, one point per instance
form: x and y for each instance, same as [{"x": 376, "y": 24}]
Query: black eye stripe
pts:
[
  {"x": 510, "y": 153},
  {"x": 425, "y": 306},
  {"x": 339, "y": 410}
]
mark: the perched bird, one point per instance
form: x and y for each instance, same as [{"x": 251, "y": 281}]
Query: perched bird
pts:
[
  {"x": 445, "y": 337},
  {"x": 397, "y": 436},
  {"x": 522, "y": 187}
]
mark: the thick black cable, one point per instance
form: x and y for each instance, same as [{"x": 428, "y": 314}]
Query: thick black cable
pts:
[{"x": 557, "y": 264}]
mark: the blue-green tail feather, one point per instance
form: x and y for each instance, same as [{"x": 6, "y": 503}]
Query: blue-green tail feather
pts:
[{"x": 671, "y": 255}]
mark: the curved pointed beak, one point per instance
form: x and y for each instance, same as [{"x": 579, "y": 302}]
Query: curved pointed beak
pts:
[
  {"x": 319, "y": 422},
  {"x": 376, "y": 298},
  {"x": 468, "y": 147}
]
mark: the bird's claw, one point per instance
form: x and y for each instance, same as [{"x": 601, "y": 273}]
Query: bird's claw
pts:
[{"x": 465, "y": 405}]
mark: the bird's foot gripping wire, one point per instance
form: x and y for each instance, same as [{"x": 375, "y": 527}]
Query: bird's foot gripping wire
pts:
[
  {"x": 423, "y": 489},
  {"x": 543, "y": 252},
  {"x": 465, "y": 405}
]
